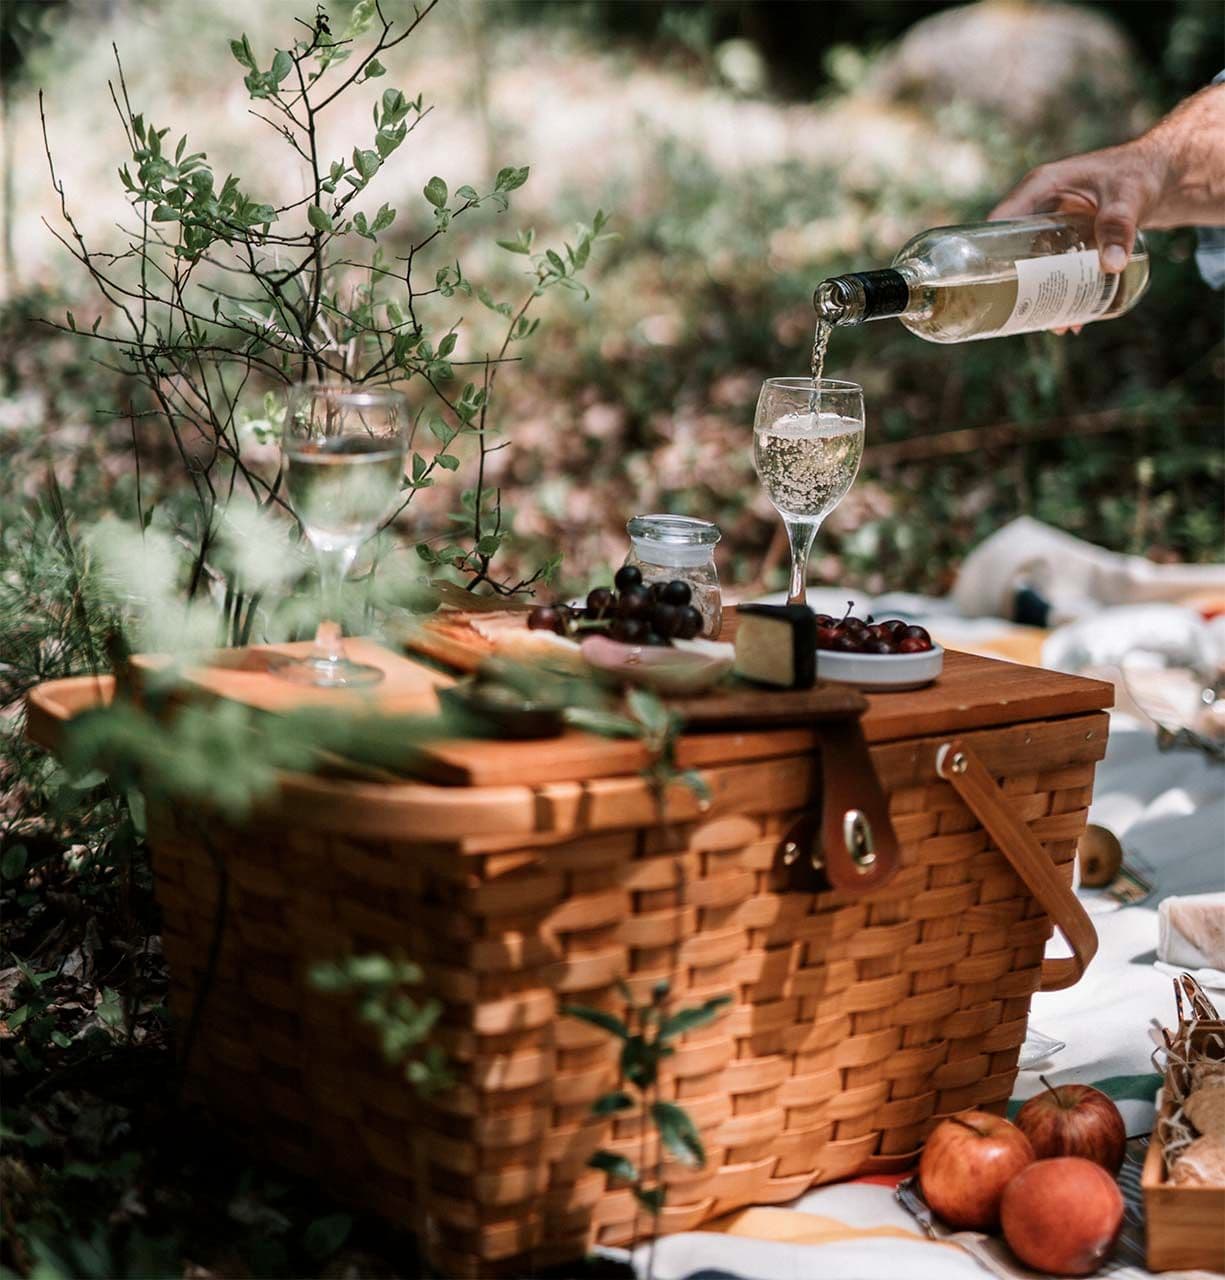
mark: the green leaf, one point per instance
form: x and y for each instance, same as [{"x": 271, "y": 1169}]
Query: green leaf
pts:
[
  {"x": 384, "y": 218},
  {"x": 489, "y": 544},
  {"x": 164, "y": 213},
  {"x": 510, "y": 178},
  {"x": 522, "y": 243},
  {"x": 282, "y": 65},
  {"x": 375, "y": 68},
  {"x": 611, "y": 1103},
  {"x": 60, "y": 1040},
  {"x": 653, "y": 1200},
  {"x": 606, "y": 723},
  {"x": 640, "y": 1061},
  {"x": 597, "y": 1018},
  {"x": 13, "y": 864},
  {"x": 447, "y": 460},
  {"x": 395, "y": 107},
  {"x": 447, "y": 345},
  {"x": 436, "y": 192},
  {"x": 242, "y": 53},
  {"x": 614, "y": 1165},
  {"x": 686, "y": 1019},
  {"x": 318, "y": 219},
  {"x": 110, "y": 1009},
  {"x": 367, "y": 163},
  {"x": 677, "y": 1133},
  {"x": 555, "y": 261},
  {"x": 466, "y": 193},
  {"x": 650, "y": 711},
  {"x": 325, "y": 1235}
]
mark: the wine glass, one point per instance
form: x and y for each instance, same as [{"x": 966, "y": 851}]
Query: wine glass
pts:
[
  {"x": 344, "y": 451},
  {"x": 807, "y": 444}
]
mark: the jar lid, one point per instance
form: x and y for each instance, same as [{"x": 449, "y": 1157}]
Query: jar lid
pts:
[{"x": 674, "y": 531}]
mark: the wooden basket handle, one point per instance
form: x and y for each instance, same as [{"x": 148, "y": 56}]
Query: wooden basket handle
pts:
[{"x": 963, "y": 770}]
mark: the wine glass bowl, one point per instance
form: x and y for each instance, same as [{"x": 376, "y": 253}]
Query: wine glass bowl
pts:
[
  {"x": 344, "y": 450},
  {"x": 807, "y": 446}
]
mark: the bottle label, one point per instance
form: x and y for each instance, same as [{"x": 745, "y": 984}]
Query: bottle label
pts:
[{"x": 1058, "y": 290}]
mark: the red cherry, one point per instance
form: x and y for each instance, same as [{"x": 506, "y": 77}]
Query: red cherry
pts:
[
  {"x": 916, "y": 633},
  {"x": 827, "y": 635},
  {"x": 879, "y": 646},
  {"x": 846, "y": 643},
  {"x": 912, "y": 644}
]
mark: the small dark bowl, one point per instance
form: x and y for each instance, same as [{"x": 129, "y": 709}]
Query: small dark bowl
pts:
[{"x": 490, "y": 711}]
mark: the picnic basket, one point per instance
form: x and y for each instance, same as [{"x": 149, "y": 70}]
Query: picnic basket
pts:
[{"x": 538, "y": 874}]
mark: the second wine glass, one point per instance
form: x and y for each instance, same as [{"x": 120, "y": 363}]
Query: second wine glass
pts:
[
  {"x": 807, "y": 445},
  {"x": 344, "y": 462}
]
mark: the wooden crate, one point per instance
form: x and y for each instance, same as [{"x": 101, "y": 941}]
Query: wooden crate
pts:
[
  {"x": 1184, "y": 1226},
  {"x": 855, "y": 1023}
]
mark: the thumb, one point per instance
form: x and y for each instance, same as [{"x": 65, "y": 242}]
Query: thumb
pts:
[{"x": 1115, "y": 230}]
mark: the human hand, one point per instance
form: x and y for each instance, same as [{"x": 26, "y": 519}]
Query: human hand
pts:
[{"x": 1171, "y": 176}]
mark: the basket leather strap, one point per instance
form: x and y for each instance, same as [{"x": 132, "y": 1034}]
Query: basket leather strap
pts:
[
  {"x": 847, "y": 842},
  {"x": 963, "y": 770}
]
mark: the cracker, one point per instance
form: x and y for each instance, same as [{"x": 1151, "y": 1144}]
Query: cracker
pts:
[
  {"x": 1202, "y": 1164},
  {"x": 1205, "y": 1108}
]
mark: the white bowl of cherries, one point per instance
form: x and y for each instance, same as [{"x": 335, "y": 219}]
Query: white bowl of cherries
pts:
[{"x": 892, "y": 654}]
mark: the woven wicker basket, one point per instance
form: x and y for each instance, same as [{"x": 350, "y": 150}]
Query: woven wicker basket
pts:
[{"x": 855, "y": 1022}]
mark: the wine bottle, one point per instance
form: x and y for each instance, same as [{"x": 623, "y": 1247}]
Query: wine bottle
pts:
[{"x": 990, "y": 279}]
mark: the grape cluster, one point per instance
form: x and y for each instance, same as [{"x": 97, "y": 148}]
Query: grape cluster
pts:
[
  {"x": 861, "y": 635},
  {"x": 631, "y": 612}
]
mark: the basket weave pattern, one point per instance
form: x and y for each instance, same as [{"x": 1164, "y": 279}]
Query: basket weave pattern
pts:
[{"x": 854, "y": 1024}]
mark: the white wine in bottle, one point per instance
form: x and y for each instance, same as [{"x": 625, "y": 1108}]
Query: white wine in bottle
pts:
[{"x": 990, "y": 279}]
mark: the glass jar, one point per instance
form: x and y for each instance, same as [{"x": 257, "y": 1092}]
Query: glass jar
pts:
[{"x": 678, "y": 548}]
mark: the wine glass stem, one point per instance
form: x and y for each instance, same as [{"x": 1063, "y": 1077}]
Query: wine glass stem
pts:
[
  {"x": 334, "y": 564},
  {"x": 800, "y": 534}
]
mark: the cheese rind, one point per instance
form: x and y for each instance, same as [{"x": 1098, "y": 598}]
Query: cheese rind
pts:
[{"x": 777, "y": 645}]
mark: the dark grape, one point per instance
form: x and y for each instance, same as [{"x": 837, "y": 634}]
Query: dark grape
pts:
[
  {"x": 634, "y": 602},
  {"x": 631, "y": 630},
  {"x": 656, "y": 589},
  {"x": 666, "y": 619},
  {"x": 676, "y": 592},
  {"x": 654, "y": 639},
  {"x": 544, "y": 617},
  {"x": 599, "y": 602},
  {"x": 628, "y": 576},
  {"x": 691, "y": 623}
]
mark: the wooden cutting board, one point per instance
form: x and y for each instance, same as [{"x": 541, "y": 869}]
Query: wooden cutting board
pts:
[
  {"x": 451, "y": 638},
  {"x": 248, "y": 675},
  {"x": 722, "y": 728}
]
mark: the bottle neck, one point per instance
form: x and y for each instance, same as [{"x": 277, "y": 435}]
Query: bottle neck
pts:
[{"x": 862, "y": 295}]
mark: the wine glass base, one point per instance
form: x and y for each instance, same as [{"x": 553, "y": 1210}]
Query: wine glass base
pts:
[{"x": 320, "y": 673}]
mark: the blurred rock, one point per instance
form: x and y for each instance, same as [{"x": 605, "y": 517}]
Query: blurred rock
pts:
[{"x": 1030, "y": 64}]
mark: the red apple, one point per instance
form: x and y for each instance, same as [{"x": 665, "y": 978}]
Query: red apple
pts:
[
  {"x": 1062, "y": 1216},
  {"x": 1074, "y": 1120},
  {"x": 966, "y": 1164}
]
